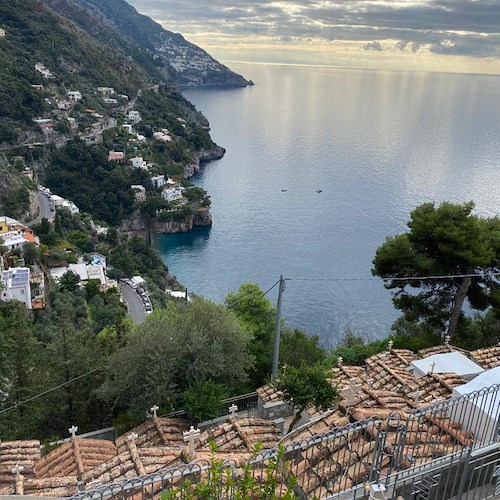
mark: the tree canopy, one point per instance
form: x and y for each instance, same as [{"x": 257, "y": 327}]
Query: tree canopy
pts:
[
  {"x": 175, "y": 349},
  {"x": 442, "y": 242},
  {"x": 307, "y": 386},
  {"x": 256, "y": 314}
]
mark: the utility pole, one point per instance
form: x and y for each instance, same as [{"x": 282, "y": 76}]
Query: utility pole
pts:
[{"x": 276, "y": 353}]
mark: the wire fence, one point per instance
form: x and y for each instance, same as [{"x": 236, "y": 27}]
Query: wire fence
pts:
[{"x": 449, "y": 450}]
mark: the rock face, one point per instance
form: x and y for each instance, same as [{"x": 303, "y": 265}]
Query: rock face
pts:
[
  {"x": 136, "y": 225},
  {"x": 216, "y": 153}
]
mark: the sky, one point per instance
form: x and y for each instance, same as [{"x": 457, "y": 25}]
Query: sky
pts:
[{"x": 427, "y": 35}]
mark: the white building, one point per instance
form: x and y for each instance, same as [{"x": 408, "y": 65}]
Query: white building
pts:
[
  {"x": 60, "y": 202},
  {"x": 2, "y": 33},
  {"x": 134, "y": 116},
  {"x": 13, "y": 239},
  {"x": 450, "y": 362},
  {"x": 172, "y": 193},
  {"x": 16, "y": 285},
  {"x": 127, "y": 127},
  {"x": 162, "y": 136},
  {"x": 158, "y": 181},
  {"x": 106, "y": 90},
  {"x": 74, "y": 95},
  {"x": 138, "y": 162},
  {"x": 109, "y": 100},
  {"x": 479, "y": 413}
]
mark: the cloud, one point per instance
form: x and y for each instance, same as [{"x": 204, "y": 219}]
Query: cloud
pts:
[{"x": 458, "y": 27}]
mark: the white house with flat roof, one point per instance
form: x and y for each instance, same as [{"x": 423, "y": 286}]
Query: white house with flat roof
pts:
[
  {"x": 158, "y": 181},
  {"x": 138, "y": 162},
  {"x": 2, "y": 33},
  {"x": 172, "y": 193},
  {"x": 16, "y": 285},
  {"x": 450, "y": 362},
  {"x": 74, "y": 95},
  {"x": 134, "y": 116}
]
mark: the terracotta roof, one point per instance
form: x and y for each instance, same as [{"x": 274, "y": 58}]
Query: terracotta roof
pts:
[
  {"x": 75, "y": 457},
  {"x": 14, "y": 453},
  {"x": 241, "y": 434},
  {"x": 488, "y": 357},
  {"x": 441, "y": 349},
  {"x": 158, "y": 431},
  {"x": 269, "y": 394},
  {"x": 329, "y": 421},
  {"x": 131, "y": 462},
  {"x": 336, "y": 464}
]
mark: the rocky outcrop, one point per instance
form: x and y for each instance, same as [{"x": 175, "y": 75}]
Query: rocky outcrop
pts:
[
  {"x": 204, "y": 156},
  {"x": 136, "y": 224}
]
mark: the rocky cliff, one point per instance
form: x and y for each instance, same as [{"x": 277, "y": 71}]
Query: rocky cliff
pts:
[{"x": 138, "y": 225}]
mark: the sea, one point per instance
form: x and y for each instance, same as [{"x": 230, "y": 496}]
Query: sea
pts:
[{"x": 323, "y": 164}]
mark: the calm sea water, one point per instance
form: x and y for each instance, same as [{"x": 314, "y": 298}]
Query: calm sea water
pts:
[{"x": 376, "y": 143}]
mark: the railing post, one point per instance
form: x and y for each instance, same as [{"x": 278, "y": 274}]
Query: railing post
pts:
[{"x": 463, "y": 476}]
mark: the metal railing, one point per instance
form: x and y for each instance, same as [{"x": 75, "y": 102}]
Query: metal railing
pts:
[
  {"x": 246, "y": 403},
  {"x": 450, "y": 449}
]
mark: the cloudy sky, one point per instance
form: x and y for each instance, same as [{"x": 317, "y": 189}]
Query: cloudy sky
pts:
[{"x": 444, "y": 35}]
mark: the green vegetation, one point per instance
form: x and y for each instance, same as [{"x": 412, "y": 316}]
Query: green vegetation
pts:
[
  {"x": 442, "y": 241},
  {"x": 202, "y": 401},
  {"x": 14, "y": 190},
  {"x": 306, "y": 387},
  {"x": 175, "y": 349},
  {"x": 220, "y": 481}
]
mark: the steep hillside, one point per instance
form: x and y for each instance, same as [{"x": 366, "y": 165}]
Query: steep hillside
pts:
[
  {"x": 37, "y": 34},
  {"x": 118, "y": 24}
]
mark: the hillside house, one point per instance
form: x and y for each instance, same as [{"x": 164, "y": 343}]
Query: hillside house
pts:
[
  {"x": 110, "y": 100},
  {"x": 138, "y": 162},
  {"x": 2, "y": 33},
  {"x": 127, "y": 127},
  {"x": 16, "y": 285},
  {"x": 172, "y": 193},
  {"x": 116, "y": 156},
  {"x": 134, "y": 116},
  {"x": 162, "y": 136},
  {"x": 139, "y": 192},
  {"x": 61, "y": 202},
  {"x": 106, "y": 90},
  {"x": 158, "y": 181},
  {"x": 15, "y": 235},
  {"x": 74, "y": 95}
]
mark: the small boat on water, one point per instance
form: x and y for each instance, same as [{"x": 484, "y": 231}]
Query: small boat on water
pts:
[
  {"x": 283, "y": 190},
  {"x": 319, "y": 190}
]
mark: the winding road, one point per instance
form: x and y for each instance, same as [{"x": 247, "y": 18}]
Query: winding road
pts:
[
  {"x": 45, "y": 205},
  {"x": 134, "y": 303}
]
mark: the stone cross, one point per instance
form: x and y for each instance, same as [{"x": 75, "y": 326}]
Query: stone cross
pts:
[
  {"x": 340, "y": 360},
  {"x": 154, "y": 409},
  {"x": 232, "y": 410},
  {"x": 132, "y": 436},
  {"x": 390, "y": 344},
  {"x": 349, "y": 393},
  {"x": 17, "y": 470},
  {"x": 189, "y": 436},
  {"x": 433, "y": 365},
  {"x": 416, "y": 396},
  {"x": 73, "y": 430},
  {"x": 447, "y": 339}
]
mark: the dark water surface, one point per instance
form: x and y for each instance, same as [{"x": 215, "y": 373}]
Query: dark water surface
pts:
[{"x": 376, "y": 143}]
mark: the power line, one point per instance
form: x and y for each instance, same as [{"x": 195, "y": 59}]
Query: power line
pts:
[
  {"x": 50, "y": 390},
  {"x": 262, "y": 294},
  {"x": 408, "y": 278}
]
